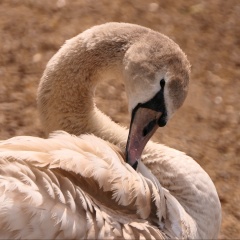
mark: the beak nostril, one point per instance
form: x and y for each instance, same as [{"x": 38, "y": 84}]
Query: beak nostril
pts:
[
  {"x": 145, "y": 131},
  {"x": 149, "y": 127}
]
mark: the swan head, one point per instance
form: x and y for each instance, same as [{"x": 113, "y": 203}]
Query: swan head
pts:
[{"x": 156, "y": 74}]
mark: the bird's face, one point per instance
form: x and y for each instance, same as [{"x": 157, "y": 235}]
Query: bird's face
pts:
[{"x": 156, "y": 88}]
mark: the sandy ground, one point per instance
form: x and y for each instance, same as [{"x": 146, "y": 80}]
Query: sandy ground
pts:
[{"x": 206, "y": 127}]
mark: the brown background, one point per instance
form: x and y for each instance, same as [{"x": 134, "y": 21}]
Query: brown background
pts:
[{"x": 206, "y": 127}]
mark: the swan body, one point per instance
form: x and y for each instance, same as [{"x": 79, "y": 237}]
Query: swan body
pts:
[
  {"x": 81, "y": 187},
  {"x": 78, "y": 190}
]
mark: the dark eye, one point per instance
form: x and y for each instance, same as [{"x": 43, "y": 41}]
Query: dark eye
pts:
[{"x": 162, "y": 83}]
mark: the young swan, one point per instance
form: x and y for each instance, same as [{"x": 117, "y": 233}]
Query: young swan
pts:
[
  {"x": 154, "y": 69},
  {"x": 156, "y": 75},
  {"x": 94, "y": 193}
]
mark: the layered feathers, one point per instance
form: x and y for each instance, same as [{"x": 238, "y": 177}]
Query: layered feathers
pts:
[{"x": 68, "y": 187}]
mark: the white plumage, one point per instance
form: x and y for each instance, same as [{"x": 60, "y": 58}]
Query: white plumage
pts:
[{"x": 68, "y": 187}]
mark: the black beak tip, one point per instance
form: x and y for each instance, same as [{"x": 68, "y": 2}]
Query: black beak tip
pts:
[{"x": 135, "y": 165}]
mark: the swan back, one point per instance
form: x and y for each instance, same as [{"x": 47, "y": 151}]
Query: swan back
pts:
[
  {"x": 83, "y": 189},
  {"x": 70, "y": 184}
]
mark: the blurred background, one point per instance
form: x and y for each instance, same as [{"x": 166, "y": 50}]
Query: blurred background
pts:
[{"x": 206, "y": 127}]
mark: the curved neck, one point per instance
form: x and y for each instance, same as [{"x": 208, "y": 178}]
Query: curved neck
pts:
[{"x": 66, "y": 90}]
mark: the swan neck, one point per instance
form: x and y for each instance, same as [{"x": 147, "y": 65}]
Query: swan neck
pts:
[{"x": 67, "y": 88}]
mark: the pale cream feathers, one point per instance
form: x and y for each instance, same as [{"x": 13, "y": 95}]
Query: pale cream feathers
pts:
[
  {"x": 80, "y": 187},
  {"x": 68, "y": 187}
]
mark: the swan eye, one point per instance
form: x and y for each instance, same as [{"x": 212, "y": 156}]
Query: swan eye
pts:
[{"x": 162, "y": 83}]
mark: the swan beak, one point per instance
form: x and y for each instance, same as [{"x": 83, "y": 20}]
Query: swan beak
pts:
[{"x": 144, "y": 123}]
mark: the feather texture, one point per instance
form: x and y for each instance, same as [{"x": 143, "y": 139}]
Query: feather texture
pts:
[
  {"x": 45, "y": 183},
  {"x": 82, "y": 192}
]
